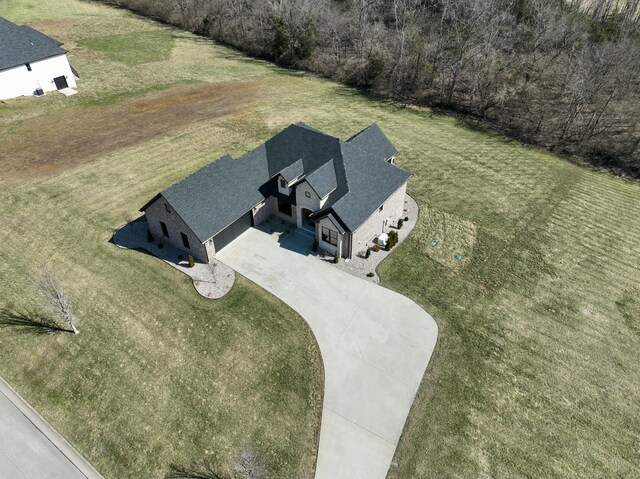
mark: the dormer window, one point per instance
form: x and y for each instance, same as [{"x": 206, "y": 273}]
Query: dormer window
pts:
[
  {"x": 307, "y": 194},
  {"x": 28, "y": 65},
  {"x": 283, "y": 183}
]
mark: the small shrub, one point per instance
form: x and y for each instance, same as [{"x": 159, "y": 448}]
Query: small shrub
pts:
[
  {"x": 400, "y": 222},
  {"x": 315, "y": 245},
  {"x": 376, "y": 247},
  {"x": 149, "y": 236},
  {"x": 370, "y": 274},
  {"x": 336, "y": 257},
  {"x": 367, "y": 254},
  {"x": 392, "y": 241},
  {"x": 406, "y": 218},
  {"x": 192, "y": 263}
]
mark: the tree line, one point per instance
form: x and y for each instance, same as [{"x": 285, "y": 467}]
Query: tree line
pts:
[{"x": 563, "y": 74}]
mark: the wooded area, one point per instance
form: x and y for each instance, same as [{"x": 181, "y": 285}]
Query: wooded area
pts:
[{"x": 563, "y": 75}]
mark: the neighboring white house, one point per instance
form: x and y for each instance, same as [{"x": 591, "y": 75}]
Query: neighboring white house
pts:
[{"x": 30, "y": 61}]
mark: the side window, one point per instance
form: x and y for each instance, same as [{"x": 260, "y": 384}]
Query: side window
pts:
[
  {"x": 28, "y": 65},
  {"x": 381, "y": 208},
  {"x": 283, "y": 183},
  {"x": 166, "y": 207},
  {"x": 329, "y": 236},
  {"x": 165, "y": 231},
  {"x": 185, "y": 240},
  {"x": 307, "y": 194}
]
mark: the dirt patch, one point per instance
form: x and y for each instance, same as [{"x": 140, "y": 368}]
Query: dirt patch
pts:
[{"x": 51, "y": 143}]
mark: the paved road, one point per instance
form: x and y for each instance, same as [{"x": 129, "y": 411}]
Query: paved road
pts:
[
  {"x": 375, "y": 346},
  {"x": 26, "y": 452}
]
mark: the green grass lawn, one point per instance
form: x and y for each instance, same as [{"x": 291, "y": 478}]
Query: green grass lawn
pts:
[{"x": 530, "y": 265}]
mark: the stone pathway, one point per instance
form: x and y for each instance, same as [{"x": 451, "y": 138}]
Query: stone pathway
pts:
[{"x": 212, "y": 280}]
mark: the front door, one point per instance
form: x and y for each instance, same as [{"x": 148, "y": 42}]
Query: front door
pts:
[
  {"x": 61, "y": 82},
  {"x": 306, "y": 220}
]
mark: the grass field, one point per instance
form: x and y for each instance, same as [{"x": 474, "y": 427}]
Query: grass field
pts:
[{"x": 530, "y": 265}]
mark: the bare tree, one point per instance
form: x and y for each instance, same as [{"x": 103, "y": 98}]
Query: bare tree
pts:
[
  {"x": 55, "y": 299},
  {"x": 247, "y": 464}
]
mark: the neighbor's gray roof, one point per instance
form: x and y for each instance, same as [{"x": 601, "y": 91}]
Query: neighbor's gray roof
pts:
[
  {"x": 356, "y": 181},
  {"x": 373, "y": 140},
  {"x": 20, "y": 44},
  {"x": 323, "y": 180}
]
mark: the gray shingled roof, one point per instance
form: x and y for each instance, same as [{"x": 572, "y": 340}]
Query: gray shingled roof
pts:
[
  {"x": 20, "y": 44},
  {"x": 356, "y": 180},
  {"x": 215, "y": 196},
  {"x": 323, "y": 180},
  {"x": 293, "y": 171},
  {"x": 373, "y": 140},
  {"x": 371, "y": 182}
]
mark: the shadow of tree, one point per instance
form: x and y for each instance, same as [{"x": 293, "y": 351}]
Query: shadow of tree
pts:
[
  {"x": 204, "y": 472},
  {"x": 29, "y": 322}
]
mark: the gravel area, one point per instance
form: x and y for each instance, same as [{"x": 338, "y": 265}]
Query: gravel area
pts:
[
  {"x": 359, "y": 266},
  {"x": 212, "y": 280}
]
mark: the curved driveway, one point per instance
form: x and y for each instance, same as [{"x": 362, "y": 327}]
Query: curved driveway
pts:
[{"x": 375, "y": 346}]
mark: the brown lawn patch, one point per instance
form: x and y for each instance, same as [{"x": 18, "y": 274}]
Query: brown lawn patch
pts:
[{"x": 52, "y": 143}]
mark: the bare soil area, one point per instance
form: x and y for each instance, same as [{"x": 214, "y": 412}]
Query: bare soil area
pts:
[{"x": 51, "y": 143}]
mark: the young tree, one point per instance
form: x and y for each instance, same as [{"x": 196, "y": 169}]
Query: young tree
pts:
[{"x": 55, "y": 299}]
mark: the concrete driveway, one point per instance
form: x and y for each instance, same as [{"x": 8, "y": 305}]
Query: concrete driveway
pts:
[{"x": 375, "y": 346}]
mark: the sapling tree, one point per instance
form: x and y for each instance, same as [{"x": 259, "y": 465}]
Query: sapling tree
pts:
[{"x": 55, "y": 299}]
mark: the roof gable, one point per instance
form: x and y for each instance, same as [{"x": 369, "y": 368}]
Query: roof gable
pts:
[
  {"x": 374, "y": 141},
  {"x": 371, "y": 183},
  {"x": 20, "y": 44},
  {"x": 323, "y": 180},
  {"x": 293, "y": 171},
  {"x": 215, "y": 196}
]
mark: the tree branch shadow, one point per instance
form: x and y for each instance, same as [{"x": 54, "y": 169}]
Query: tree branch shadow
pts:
[
  {"x": 204, "y": 472},
  {"x": 29, "y": 322}
]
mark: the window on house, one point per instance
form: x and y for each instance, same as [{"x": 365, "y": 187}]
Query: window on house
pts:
[
  {"x": 329, "y": 236},
  {"x": 165, "y": 231},
  {"x": 28, "y": 65},
  {"x": 284, "y": 207},
  {"x": 185, "y": 240},
  {"x": 166, "y": 207},
  {"x": 283, "y": 183},
  {"x": 381, "y": 208},
  {"x": 307, "y": 194}
]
